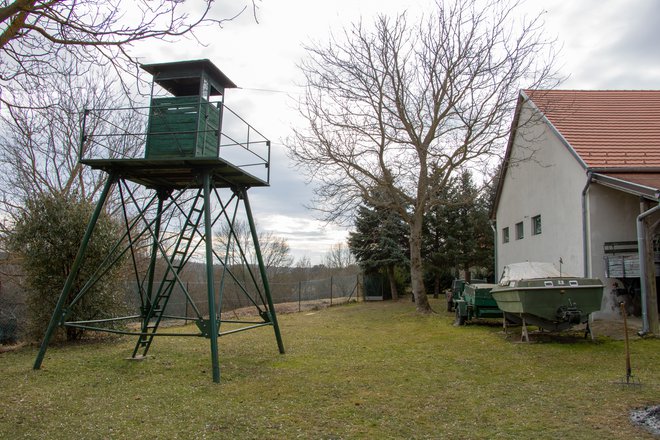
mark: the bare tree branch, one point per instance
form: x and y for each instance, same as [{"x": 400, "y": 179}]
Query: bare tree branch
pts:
[
  {"x": 39, "y": 141},
  {"x": 36, "y": 34}
]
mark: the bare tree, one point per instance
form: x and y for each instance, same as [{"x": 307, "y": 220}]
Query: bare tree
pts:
[
  {"x": 304, "y": 263},
  {"x": 40, "y": 141},
  {"x": 35, "y": 35},
  {"x": 275, "y": 250},
  {"x": 395, "y": 109},
  {"x": 339, "y": 257}
]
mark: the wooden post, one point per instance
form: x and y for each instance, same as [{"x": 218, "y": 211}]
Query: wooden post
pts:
[{"x": 524, "y": 336}]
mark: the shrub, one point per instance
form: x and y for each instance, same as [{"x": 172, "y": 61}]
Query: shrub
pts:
[{"x": 47, "y": 236}]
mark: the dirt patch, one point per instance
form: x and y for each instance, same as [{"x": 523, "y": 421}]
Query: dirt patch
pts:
[
  {"x": 291, "y": 307},
  {"x": 613, "y": 327},
  {"x": 6, "y": 348}
]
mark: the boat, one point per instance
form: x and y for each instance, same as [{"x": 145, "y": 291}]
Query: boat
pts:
[{"x": 537, "y": 293}]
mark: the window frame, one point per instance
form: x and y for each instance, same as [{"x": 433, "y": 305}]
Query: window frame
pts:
[
  {"x": 520, "y": 230},
  {"x": 537, "y": 225},
  {"x": 505, "y": 235}
]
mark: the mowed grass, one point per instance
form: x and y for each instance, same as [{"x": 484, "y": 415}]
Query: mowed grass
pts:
[{"x": 371, "y": 370}]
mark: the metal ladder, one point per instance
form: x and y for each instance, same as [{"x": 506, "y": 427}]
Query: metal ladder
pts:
[{"x": 180, "y": 256}]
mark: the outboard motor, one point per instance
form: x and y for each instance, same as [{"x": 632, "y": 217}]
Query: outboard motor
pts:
[{"x": 569, "y": 313}]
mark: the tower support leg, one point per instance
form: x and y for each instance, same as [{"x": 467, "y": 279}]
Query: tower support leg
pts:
[
  {"x": 58, "y": 313},
  {"x": 262, "y": 270},
  {"x": 213, "y": 319}
]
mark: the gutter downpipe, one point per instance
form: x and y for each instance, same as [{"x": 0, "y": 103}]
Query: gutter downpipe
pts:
[
  {"x": 641, "y": 245},
  {"x": 494, "y": 228},
  {"x": 585, "y": 225}
]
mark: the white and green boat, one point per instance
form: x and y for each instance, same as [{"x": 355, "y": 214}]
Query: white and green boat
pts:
[{"x": 538, "y": 294}]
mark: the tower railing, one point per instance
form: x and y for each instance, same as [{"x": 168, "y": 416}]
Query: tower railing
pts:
[{"x": 124, "y": 133}]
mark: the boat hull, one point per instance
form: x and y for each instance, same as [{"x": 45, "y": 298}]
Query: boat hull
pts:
[{"x": 556, "y": 301}]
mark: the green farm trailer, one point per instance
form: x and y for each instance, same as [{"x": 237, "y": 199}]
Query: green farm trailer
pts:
[{"x": 475, "y": 301}]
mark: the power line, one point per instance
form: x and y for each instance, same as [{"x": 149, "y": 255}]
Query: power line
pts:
[{"x": 264, "y": 90}]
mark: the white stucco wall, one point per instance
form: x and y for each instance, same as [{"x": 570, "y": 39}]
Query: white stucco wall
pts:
[
  {"x": 544, "y": 179},
  {"x": 612, "y": 217}
]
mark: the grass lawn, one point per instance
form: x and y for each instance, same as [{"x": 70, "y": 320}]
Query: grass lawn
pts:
[{"x": 372, "y": 370}]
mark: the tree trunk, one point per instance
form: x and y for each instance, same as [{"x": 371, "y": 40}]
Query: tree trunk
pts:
[
  {"x": 390, "y": 277},
  {"x": 416, "y": 269},
  {"x": 436, "y": 287}
]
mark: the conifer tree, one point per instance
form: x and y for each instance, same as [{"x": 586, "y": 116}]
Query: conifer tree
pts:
[{"x": 379, "y": 242}]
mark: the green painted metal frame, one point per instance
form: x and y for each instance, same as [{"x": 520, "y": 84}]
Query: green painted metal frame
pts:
[
  {"x": 153, "y": 302},
  {"x": 55, "y": 320}
]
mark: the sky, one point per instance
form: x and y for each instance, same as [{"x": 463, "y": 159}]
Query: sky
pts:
[{"x": 604, "y": 44}]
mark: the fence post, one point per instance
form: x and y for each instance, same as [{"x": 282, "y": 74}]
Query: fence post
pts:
[
  {"x": 299, "y": 293},
  {"x": 186, "y": 299},
  {"x": 330, "y": 291}
]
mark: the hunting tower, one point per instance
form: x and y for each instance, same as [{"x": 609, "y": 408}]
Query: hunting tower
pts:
[{"x": 176, "y": 184}]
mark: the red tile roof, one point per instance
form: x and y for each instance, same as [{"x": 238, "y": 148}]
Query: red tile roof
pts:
[{"x": 606, "y": 128}]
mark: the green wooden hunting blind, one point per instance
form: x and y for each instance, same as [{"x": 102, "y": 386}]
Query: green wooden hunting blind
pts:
[
  {"x": 186, "y": 124},
  {"x": 173, "y": 193}
]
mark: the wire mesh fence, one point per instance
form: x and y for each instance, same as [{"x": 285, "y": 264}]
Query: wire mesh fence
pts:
[
  {"x": 335, "y": 289},
  {"x": 192, "y": 302},
  {"x": 298, "y": 295},
  {"x": 11, "y": 318}
]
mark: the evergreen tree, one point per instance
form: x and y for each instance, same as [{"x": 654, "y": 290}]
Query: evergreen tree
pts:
[
  {"x": 458, "y": 233},
  {"x": 379, "y": 242},
  {"x": 440, "y": 225}
]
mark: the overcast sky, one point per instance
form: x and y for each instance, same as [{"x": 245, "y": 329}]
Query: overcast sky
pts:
[{"x": 605, "y": 44}]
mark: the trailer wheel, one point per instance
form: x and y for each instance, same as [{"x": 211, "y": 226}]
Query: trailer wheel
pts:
[{"x": 460, "y": 319}]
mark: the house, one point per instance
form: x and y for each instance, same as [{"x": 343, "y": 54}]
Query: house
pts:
[{"x": 580, "y": 186}]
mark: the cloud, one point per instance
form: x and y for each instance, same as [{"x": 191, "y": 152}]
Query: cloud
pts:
[
  {"x": 609, "y": 44},
  {"x": 306, "y": 236},
  {"x": 612, "y": 47}
]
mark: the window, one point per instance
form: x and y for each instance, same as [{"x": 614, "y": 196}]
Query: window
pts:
[
  {"x": 505, "y": 235},
  {"x": 520, "y": 231},
  {"x": 536, "y": 225}
]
